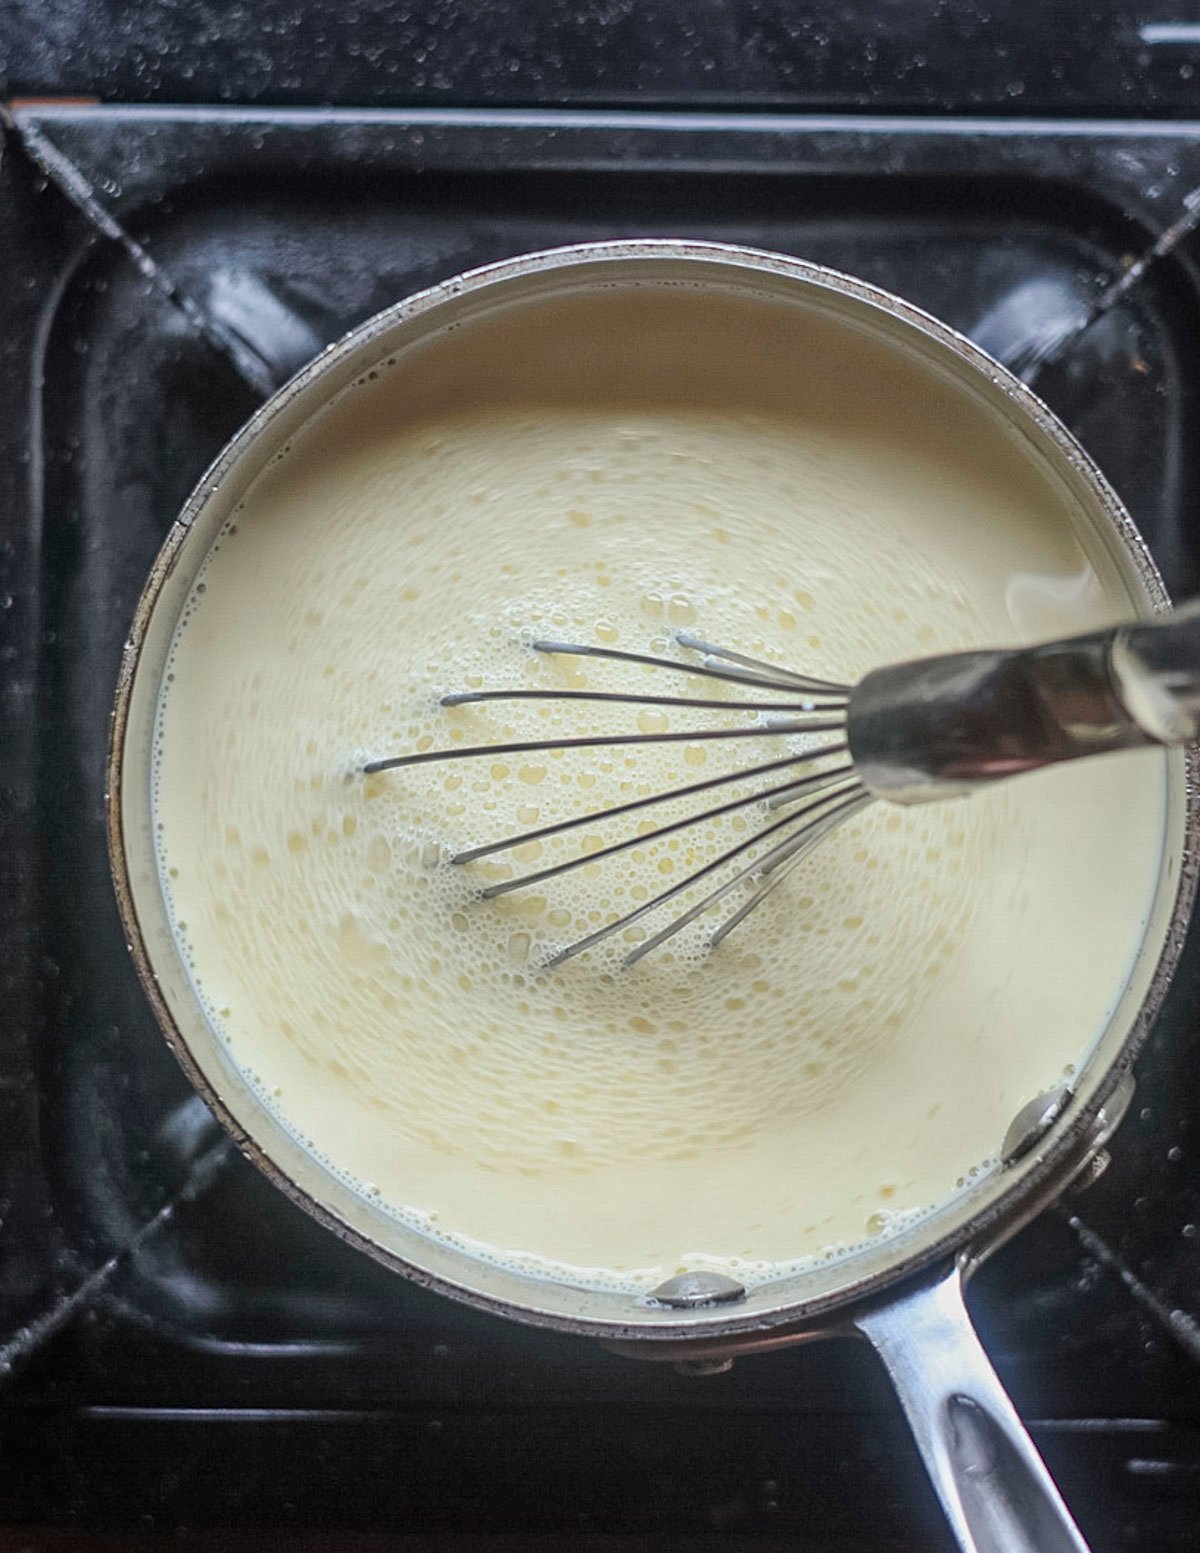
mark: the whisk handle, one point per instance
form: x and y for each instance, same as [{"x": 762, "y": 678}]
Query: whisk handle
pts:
[
  {"x": 1156, "y": 671},
  {"x": 941, "y": 726}
]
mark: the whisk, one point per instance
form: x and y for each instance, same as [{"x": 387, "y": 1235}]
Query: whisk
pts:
[{"x": 909, "y": 733}]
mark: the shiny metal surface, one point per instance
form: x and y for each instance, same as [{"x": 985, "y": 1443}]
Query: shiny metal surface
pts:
[
  {"x": 691, "y": 1291},
  {"x": 1032, "y": 1122},
  {"x": 828, "y": 1297},
  {"x": 992, "y": 1484},
  {"x": 942, "y": 727},
  {"x": 1156, "y": 671},
  {"x": 816, "y": 801},
  {"x": 915, "y": 732}
]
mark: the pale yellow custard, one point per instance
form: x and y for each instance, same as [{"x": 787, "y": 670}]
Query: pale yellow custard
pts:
[{"x": 634, "y": 465}]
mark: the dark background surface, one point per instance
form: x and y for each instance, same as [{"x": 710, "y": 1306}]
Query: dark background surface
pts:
[
  {"x": 1000, "y": 56},
  {"x": 290, "y": 1383}
]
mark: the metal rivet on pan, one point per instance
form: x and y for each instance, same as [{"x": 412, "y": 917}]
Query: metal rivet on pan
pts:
[
  {"x": 1032, "y": 1122},
  {"x": 1111, "y": 1113},
  {"x": 1104, "y": 1124},
  {"x": 1091, "y": 1172},
  {"x": 693, "y": 1291},
  {"x": 703, "y": 1366}
]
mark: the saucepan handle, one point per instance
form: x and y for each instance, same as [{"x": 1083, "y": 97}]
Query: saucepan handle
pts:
[{"x": 992, "y": 1483}]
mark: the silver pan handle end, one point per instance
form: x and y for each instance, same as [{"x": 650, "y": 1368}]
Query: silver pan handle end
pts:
[{"x": 992, "y": 1484}]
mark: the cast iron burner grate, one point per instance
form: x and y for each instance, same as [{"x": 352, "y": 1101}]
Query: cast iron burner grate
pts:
[{"x": 181, "y": 1343}]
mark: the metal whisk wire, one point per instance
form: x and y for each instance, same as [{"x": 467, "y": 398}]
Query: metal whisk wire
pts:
[{"x": 817, "y": 800}]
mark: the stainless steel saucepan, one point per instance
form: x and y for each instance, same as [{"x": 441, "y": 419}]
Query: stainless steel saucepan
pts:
[{"x": 903, "y": 1294}]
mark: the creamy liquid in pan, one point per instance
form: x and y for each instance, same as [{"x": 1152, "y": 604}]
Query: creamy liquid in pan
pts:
[{"x": 633, "y": 465}]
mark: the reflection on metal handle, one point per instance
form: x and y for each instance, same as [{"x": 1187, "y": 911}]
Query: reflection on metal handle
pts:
[
  {"x": 1156, "y": 670},
  {"x": 941, "y": 727},
  {"x": 992, "y": 1483}
]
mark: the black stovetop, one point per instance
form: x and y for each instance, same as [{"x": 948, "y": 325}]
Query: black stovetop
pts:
[{"x": 178, "y": 1342}]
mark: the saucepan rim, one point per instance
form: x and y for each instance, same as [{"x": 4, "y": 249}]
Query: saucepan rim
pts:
[{"x": 1058, "y": 1155}]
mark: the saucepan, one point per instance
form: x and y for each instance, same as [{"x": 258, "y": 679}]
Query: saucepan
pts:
[{"x": 904, "y": 1294}]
